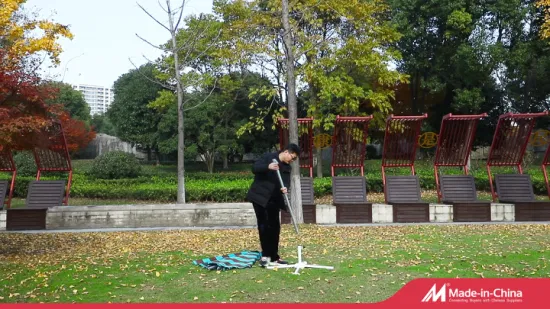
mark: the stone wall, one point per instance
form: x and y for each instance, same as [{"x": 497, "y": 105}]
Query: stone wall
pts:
[
  {"x": 2, "y": 220},
  {"x": 135, "y": 216},
  {"x": 214, "y": 215},
  {"x": 104, "y": 143}
]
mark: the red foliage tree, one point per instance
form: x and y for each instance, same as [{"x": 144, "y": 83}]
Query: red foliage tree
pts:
[
  {"x": 24, "y": 114},
  {"x": 23, "y": 111},
  {"x": 77, "y": 134}
]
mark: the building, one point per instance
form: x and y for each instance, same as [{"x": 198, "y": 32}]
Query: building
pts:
[{"x": 98, "y": 98}]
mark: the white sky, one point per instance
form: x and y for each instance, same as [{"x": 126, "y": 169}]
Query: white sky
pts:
[{"x": 105, "y": 36}]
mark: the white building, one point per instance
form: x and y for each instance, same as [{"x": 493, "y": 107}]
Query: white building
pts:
[{"x": 98, "y": 98}]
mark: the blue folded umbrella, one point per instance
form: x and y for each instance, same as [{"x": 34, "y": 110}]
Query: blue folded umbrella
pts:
[{"x": 243, "y": 259}]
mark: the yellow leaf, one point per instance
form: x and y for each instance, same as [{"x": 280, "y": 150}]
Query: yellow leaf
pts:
[{"x": 158, "y": 274}]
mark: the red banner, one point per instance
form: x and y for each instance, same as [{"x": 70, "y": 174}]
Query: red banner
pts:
[{"x": 486, "y": 293}]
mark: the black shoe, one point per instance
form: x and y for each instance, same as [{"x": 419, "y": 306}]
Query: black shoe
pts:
[
  {"x": 264, "y": 261},
  {"x": 281, "y": 262}
]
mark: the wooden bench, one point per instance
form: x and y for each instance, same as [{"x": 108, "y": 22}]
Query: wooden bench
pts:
[
  {"x": 309, "y": 208},
  {"x": 42, "y": 194},
  {"x": 517, "y": 189},
  {"x": 403, "y": 193},
  {"x": 460, "y": 191},
  {"x": 349, "y": 195}
]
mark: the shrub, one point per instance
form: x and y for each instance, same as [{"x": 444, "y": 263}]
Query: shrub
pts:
[
  {"x": 24, "y": 161},
  {"x": 115, "y": 165}
]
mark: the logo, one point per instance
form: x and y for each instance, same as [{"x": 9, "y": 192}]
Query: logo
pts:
[
  {"x": 445, "y": 293},
  {"x": 322, "y": 141},
  {"x": 434, "y": 295},
  {"x": 539, "y": 138},
  {"x": 427, "y": 140}
]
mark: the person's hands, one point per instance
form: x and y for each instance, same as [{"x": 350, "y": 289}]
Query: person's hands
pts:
[
  {"x": 273, "y": 166},
  {"x": 284, "y": 190}
]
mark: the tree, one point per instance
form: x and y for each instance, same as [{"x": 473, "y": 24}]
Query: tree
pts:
[
  {"x": 179, "y": 76},
  {"x": 211, "y": 127},
  {"x": 296, "y": 193},
  {"x": 102, "y": 124},
  {"x": 72, "y": 100},
  {"x": 545, "y": 5},
  {"x": 341, "y": 54},
  {"x": 77, "y": 133},
  {"x": 129, "y": 113},
  {"x": 21, "y": 36},
  {"x": 23, "y": 108}
]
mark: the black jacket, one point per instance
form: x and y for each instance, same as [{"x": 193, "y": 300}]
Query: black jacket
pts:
[{"x": 266, "y": 187}]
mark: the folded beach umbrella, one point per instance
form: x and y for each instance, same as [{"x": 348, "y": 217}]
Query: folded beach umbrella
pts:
[{"x": 243, "y": 259}]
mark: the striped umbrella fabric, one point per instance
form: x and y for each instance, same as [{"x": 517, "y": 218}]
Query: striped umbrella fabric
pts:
[{"x": 243, "y": 259}]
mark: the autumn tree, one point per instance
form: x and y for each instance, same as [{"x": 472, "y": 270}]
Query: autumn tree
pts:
[
  {"x": 78, "y": 134},
  {"x": 23, "y": 108},
  {"x": 545, "y": 5},
  {"x": 21, "y": 36},
  {"x": 338, "y": 51}
]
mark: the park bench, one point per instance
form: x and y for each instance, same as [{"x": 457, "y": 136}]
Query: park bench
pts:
[
  {"x": 350, "y": 198},
  {"x": 403, "y": 193},
  {"x": 460, "y": 191},
  {"x": 41, "y": 195},
  {"x": 517, "y": 189}
]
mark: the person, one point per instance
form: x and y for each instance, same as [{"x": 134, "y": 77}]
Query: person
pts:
[{"x": 267, "y": 198}]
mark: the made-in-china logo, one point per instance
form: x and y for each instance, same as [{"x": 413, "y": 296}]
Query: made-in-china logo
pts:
[{"x": 446, "y": 293}]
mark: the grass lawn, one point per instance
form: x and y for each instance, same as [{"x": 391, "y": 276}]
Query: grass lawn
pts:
[{"x": 371, "y": 263}]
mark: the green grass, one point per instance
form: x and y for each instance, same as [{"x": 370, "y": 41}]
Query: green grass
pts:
[{"x": 371, "y": 263}]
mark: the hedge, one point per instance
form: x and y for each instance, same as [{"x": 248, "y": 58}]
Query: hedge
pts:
[{"x": 224, "y": 187}]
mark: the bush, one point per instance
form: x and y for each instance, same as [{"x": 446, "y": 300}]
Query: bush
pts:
[
  {"x": 24, "y": 161},
  {"x": 115, "y": 165},
  {"x": 230, "y": 186}
]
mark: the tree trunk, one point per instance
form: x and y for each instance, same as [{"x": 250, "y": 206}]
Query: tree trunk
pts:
[
  {"x": 225, "y": 155},
  {"x": 181, "y": 138},
  {"x": 157, "y": 156},
  {"x": 209, "y": 158},
  {"x": 295, "y": 194},
  {"x": 225, "y": 162},
  {"x": 319, "y": 155}
]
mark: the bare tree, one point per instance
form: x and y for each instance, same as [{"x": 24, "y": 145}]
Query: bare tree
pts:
[
  {"x": 296, "y": 196},
  {"x": 183, "y": 55}
]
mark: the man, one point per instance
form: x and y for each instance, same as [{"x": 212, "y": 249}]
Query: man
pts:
[{"x": 266, "y": 196}]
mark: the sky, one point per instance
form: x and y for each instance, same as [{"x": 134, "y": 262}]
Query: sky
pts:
[{"x": 105, "y": 36}]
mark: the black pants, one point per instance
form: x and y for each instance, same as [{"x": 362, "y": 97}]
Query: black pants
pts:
[{"x": 269, "y": 228}]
